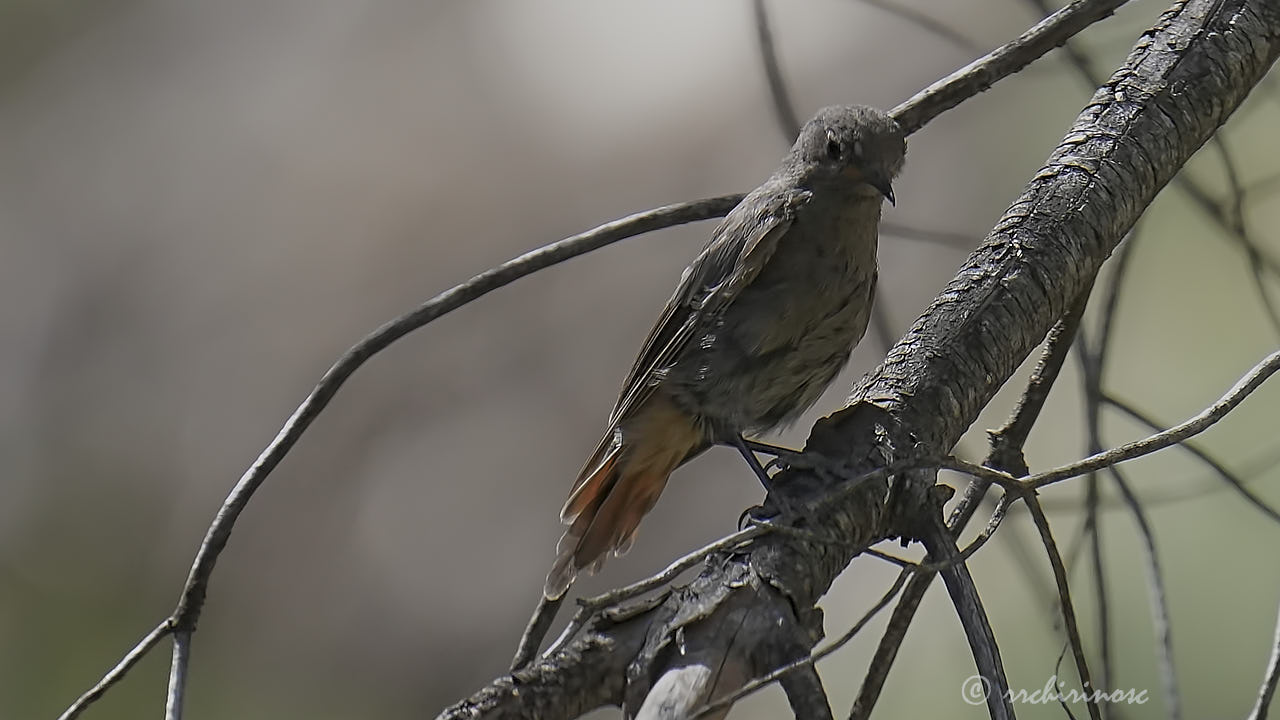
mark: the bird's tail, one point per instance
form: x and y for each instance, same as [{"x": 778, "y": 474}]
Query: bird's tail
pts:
[{"x": 619, "y": 485}]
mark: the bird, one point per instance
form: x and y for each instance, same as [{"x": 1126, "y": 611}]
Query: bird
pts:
[{"x": 761, "y": 322}]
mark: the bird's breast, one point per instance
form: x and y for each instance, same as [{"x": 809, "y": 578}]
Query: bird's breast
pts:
[{"x": 776, "y": 347}]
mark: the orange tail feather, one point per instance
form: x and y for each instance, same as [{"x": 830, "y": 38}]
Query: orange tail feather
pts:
[{"x": 619, "y": 486}]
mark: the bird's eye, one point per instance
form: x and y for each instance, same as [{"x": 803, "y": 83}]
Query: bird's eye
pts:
[{"x": 833, "y": 149}]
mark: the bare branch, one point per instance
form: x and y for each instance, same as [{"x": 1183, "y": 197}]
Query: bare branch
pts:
[
  {"x": 175, "y": 699},
  {"x": 880, "y": 321},
  {"x": 986, "y": 71},
  {"x": 1007, "y": 442},
  {"x": 1229, "y": 219},
  {"x": 1095, "y": 363},
  {"x": 1160, "y": 621},
  {"x": 653, "y": 582},
  {"x": 1234, "y": 214},
  {"x": 1005, "y": 459},
  {"x": 543, "y": 615},
  {"x": 953, "y": 240},
  {"x": 117, "y": 673},
  {"x": 926, "y": 23},
  {"x": 1093, "y": 533},
  {"x": 783, "y": 110},
  {"x": 1215, "y": 211},
  {"x": 768, "y": 679},
  {"x": 806, "y": 695},
  {"x": 1269, "y": 680},
  {"x": 1172, "y": 436},
  {"x": 973, "y": 618},
  {"x": 191, "y": 601},
  {"x": 1232, "y": 480},
  {"x": 1064, "y": 602}
]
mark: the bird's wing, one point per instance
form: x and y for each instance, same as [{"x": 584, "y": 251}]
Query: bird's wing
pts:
[{"x": 739, "y": 248}]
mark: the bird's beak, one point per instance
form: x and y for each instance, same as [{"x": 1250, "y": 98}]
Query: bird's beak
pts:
[{"x": 884, "y": 186}]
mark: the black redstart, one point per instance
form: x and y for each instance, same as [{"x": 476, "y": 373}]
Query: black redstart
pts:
[{"x": 761, "y": 323}]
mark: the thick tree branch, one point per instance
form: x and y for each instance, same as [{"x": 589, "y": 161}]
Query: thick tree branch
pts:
[{"x": 1005, "y": 455}]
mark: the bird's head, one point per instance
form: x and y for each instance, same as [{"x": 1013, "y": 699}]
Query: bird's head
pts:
[{"x": 851, "y": 144}]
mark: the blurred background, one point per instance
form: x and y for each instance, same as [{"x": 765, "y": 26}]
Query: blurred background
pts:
[{"x": 203, "y": 204}]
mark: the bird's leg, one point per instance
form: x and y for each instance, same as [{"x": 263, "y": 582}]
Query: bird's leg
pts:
[
  {"x": 782, "y": 456},
  {"x": 767, "y": 449},
  {"x": 753, "y": 462},
  {"x": 785, "y": 458},
  {"x": 747, "y": 447}
]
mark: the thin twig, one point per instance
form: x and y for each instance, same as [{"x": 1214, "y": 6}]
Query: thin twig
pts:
[
  {"x": 1235, "y": 214},
  {"x": 993, "y": 523},
  {"x": 1235, "y": 482},
  {"x": 675, "y": 568},
  {"x": 117, "y": 673},
  {"x": 926, "y": 23},
  {"x": 1080, "y": 60},
  {"x": 1218, "y": 214},
  {"x": 1160, "y": 621},
  {"x": 1110, "y": 309},
  {"x": 1093, "y": 366},
  {"x": 576, "y": 623},
  {"x": 880, "y": 321},
  {"x": 953, "y": 240},
  {"x": 1176, "y": 434},
  {"x": 191, "y": 601},
  {"x": 1260, "y": 463},
  {"x": 1064, "y": 602},
  {"x": 1007, "y": 443},
  {"x": 968, "y": 605},
  {"x": 984, "y": 473},
  {"x": 783, "y": 111},
  {"x": 1092, "y": 532},
  {"x": 981, "y": 74},
  {"x": 1269, "y": 680},
  {"x": 540, "y": 622}
]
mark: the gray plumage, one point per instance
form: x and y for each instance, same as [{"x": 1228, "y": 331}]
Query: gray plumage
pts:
[{"x": 761, "y": 323}]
